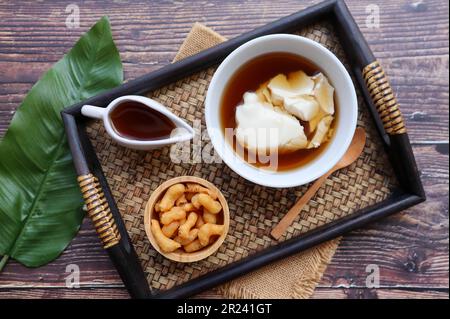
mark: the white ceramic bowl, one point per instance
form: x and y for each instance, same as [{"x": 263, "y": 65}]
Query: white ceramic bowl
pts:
[{"x": 338, "y": 77}]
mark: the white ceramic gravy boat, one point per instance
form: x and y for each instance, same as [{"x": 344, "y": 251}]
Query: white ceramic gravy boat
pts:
[{"x": 182, "y": 132}]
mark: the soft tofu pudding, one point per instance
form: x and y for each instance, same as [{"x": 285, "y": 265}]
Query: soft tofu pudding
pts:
[
  {"x": 261, "y": 127},
  {"x": 278, "y": 104}
]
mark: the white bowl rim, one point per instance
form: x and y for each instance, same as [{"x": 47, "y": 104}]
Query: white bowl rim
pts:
[{"x": 285, "y": 178}]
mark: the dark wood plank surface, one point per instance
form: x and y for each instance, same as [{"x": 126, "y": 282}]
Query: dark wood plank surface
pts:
[{"x": 411, "y": 248}]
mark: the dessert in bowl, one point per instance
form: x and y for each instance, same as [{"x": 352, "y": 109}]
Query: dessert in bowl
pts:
[{"x": 281, "y": 110}]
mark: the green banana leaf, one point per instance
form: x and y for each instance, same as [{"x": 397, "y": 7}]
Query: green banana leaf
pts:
[{"x": 40, "y": 200}]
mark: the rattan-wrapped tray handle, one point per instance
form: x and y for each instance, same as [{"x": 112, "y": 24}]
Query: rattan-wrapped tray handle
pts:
[
  {"x": 399, "y": 148},
  {"x": 99, "y": 211},
  {"x": 383, "y": 98}
]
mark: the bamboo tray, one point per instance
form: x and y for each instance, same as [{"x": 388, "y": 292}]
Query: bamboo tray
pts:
[{"x": 117, "y": 182}]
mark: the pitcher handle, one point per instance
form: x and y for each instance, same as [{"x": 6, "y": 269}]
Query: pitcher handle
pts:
[{"x": 93, "y": 111}]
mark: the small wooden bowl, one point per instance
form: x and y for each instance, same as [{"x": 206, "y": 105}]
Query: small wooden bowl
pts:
[{"x": 179, "y": 255}]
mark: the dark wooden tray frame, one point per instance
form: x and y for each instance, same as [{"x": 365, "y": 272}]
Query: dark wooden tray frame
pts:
[{"x": 395, "y": 139}]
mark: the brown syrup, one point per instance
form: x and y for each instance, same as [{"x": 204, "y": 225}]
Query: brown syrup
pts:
[
  {"x": 248, "y": 78},
  {"x": 137, "y": 121}
]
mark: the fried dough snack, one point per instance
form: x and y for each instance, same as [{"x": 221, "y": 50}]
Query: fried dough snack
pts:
[
  {"x": 208, "y": 230},
  {"x": 199, "y": 222},
  {"x": 213, "y": 206},
  {"x": 166, "y": 244},
  {"x": 194, "y": 246},
  {"x": 209, "y": 218},
  {"x": 189, "y": 239},
  {"x": 184, "y": 229},
  {"x": 171, "y": 229},
  {"x": 196, "y": 188},
  {"x": 175, "y": 213},
  {"x": 172, "y": 194},
  {"x": 188, "y": 207},
  {"x": 181, "y": 200}
]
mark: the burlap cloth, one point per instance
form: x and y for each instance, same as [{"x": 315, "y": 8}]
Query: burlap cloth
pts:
[{"x": 293, "y": 277}]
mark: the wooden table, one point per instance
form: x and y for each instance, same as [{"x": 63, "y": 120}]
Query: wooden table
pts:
[{"x": 411, "y": 248}]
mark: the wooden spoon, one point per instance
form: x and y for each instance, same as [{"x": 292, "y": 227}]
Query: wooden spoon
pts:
[{"x": 352, "y": 154}]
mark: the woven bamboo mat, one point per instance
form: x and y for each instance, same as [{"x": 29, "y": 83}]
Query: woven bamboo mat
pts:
[{"x": 255, "y": 210}]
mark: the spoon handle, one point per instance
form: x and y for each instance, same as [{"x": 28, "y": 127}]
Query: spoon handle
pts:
[{"x": 287, "y": 220}]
